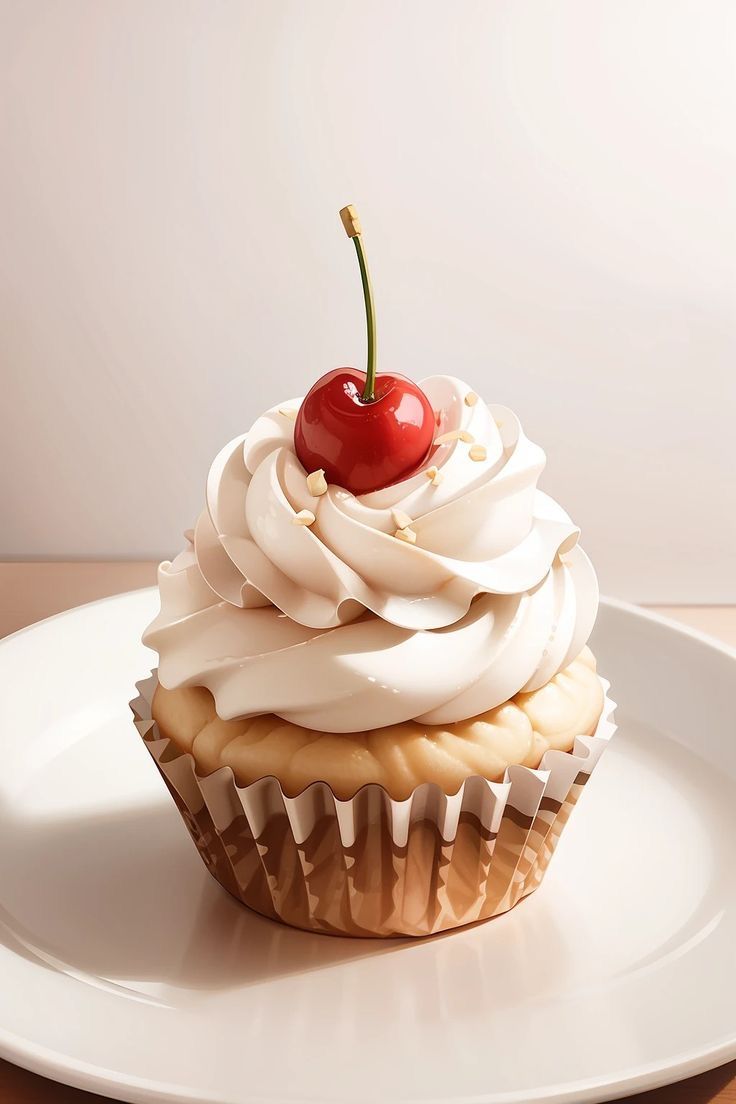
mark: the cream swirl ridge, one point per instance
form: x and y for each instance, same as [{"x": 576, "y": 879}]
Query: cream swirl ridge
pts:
[
  {"x": 483, "y": 528},
  {"x": 341, "y": 626},
  {"x": 369, "y": 673}
]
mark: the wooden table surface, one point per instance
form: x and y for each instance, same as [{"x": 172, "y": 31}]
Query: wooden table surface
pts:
[{"x": 30, "y": 591}]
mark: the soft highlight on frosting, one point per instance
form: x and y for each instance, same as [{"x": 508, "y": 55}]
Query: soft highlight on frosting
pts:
[{"x": 339, "y": 625}]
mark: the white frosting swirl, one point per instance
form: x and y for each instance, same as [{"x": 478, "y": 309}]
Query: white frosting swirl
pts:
[{"x": 339, "y": 626}]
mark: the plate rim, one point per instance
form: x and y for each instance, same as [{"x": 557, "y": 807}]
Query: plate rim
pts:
[{"x": 57, "y": 1066}]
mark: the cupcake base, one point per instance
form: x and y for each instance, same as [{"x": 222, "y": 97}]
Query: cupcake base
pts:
[{"x": 371, "y": 866}]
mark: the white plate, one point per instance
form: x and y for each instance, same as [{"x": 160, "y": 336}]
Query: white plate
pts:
[{"x": 126, "y": 970}]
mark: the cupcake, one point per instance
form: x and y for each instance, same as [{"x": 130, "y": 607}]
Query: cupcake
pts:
[{"x": 374, "y": 705}]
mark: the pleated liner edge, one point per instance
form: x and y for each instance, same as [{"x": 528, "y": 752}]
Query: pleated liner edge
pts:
[{"x": 371, "y": 866}]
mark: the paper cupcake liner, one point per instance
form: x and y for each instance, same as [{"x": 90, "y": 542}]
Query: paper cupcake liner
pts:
[{"x": 372, "y": 866}]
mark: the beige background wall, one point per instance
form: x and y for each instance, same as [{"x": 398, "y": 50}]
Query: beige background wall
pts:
[{"x": 548, "y": 193}]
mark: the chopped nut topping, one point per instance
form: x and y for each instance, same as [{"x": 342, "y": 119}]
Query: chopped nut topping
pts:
[
  {"x": 434, "y": 475},
  {"x": 401, "y": 519},
  {"x": 316, "y": 482},
  {"x": 471, "y": 398},
  {"x": 478, "y": 452},
  {"x": 288, "y": 412},
  {"x": 304, "y": 517},
  {"x": 455, "y": 435},
  {"x": 407, "y": 535}
]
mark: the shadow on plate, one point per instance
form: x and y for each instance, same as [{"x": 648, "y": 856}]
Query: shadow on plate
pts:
[{"x": 124, "y": 896}]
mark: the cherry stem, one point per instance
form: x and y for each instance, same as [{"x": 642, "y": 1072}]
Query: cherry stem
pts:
[{"x": 369, "y": 391}]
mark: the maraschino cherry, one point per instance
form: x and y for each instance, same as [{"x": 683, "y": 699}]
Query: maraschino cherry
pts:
[{"x": 366, "y": 431}]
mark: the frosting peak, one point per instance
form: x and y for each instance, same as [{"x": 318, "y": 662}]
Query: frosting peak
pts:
[
  {"x": 366, "y": 639},
  {"x": 482, "y": 529}
]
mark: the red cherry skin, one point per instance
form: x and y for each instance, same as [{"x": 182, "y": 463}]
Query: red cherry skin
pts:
[{"x": 364, "y": 446}]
